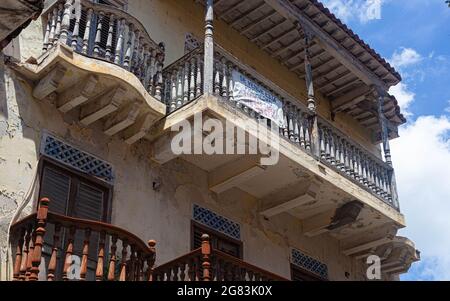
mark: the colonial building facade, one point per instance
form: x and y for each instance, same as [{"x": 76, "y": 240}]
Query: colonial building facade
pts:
[{"x": 93, "y": 186}]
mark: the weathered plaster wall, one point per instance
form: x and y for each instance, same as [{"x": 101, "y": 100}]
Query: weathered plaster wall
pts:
[
  {"x": 169, "y": 21},
  {"x": 164, "y": 215}
]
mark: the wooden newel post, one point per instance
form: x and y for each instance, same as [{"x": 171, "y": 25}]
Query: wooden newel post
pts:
[
  {"x": 206, "y": 257},
  {"x": 151, "y": 259},
  {"x": 208, "y": 82},
  {"x": 312, "y": 106},
  {"x": 39, "y": 232}
]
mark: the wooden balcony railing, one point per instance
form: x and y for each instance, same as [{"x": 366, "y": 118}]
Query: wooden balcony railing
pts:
[
  {"x": 207, "y": 264},
  {"x": 183, "y": 84},
  {"x": 107, "y": 33},
  {"x": 135, "y": 264}
]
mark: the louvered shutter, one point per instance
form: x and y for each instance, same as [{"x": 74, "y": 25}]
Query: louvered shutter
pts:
[{"x": 56, "y": 187}]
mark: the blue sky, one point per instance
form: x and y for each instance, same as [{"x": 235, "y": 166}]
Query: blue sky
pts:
[{"x": 414, "y": 35}]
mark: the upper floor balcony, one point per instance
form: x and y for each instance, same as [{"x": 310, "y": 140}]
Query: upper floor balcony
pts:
[
  {"x": 98, "y": 64},
  {"x": 101, "y": 68}
]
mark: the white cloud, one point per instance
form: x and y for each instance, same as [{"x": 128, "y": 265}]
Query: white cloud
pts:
[
  {"x": 447, "y": 109},
  {"x": 348, "y": 10},
  {"x": 404, "y": 97},
  {"x": 405, "y": 58},
  {"x": 422, "y": 164}
]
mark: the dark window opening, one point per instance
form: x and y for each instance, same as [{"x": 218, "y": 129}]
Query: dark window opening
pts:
[
  {"x": 299, "y": 274},
  {"x": 74, "y": 194}
]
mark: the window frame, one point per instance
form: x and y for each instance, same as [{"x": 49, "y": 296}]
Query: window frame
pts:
[
  {"x": 78, "y": 175},
  {"x": 195, "y": 224},
  {"x": 311, "y": 276}
]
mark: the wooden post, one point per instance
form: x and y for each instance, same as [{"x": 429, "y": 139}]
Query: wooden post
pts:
[
  {"x": 208, "y": 84},
  {"x": 100, "y": 256},
  {"x": 206, "y": 254},
  {"x": 53, "y": 259},
  {"x": 85, "y": 254},
  {"x": 311, "y": 97},
  {"x": 40, "y": 232},
  {"x": 151, "y": 259},
  {"x": 19, "y": 250},
  {"x": 65, "y": 23},
  {"x": 381, "y": 94}
]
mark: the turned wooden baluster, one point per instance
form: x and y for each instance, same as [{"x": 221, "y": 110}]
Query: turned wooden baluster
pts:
[
  {"x": 120, "y": 39},
  {"x": 58, "y": 23},
  {"x": 217, "y": 78},
  {"x": 76, "y": 28},
  {"x": 192, "y": 80},
  {"x": 109, "y": 41},
  {"x": 129, "y": 48},
  {"x": 98, "y": 34},
  {"x": 51, "y": 37},
  {"x": 54, "y": 257},
  {"x": 173, "y": 99},
  {"x": 158, "y": 75},
  {"x": 85, "y": 254},
  {"x": 151, "y": 73},
  {"x": 69, "y": 252},
  {"x": 18, "y": 258},
  {"x": 179, "y": 87},
  {"x": 100, "y": 257},
  {"x": 123, "y": 263},
  {"x": 87, "y": 31},
  {"x": 25, "y": 254},
  {"x": 224, "y": 78},
  {"x": 39, "y": 240},
  {"x": 199, "y": 82},
  {"x": 206, "y": 253},
  {"x": 47, "y": 32},
  {"x": 186, "y": 83},
  {"x": 132, "y": 269},
  {"x": 30, "y": 256},
  {"x": 65, "y": 23},
  {"x": 151, "y": 259},
  {"x": 295, "y": 123},
  {"x": 112, "y": 259}
]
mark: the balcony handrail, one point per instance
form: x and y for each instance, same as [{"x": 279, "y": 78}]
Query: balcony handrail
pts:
[
  {"x": 136, "y": 263},
  {"x": 182, "y": 82},
  {"x": 206, "y": 263},
  {"x": 231, "y": 259},
  {"x": 108, "y": 9}
]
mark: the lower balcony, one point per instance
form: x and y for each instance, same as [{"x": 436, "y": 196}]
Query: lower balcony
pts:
[{"x": 55, "y": 247}]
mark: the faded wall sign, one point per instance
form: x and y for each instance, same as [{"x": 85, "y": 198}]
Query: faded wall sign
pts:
[{"x": 259, "y": 99}]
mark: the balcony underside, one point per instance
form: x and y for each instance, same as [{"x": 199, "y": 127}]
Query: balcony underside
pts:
[
  {"x": 14, "y": 14},
  {"x": 92, "y": 91},
  {"x": 298, "y": 185}
]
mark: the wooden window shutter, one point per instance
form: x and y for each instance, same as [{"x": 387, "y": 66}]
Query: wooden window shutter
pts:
[{"x": 56, "y": 186}]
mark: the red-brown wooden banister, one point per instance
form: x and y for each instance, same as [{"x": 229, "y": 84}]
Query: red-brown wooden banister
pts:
[
  {"x": 206, "y": 263},
  {"x": 29, "y": 233}
]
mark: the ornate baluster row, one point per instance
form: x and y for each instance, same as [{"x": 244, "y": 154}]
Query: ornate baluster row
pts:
[
  {"x": 355, "y": 162},
  {"x": 136, "y": 263},
  {"x": 108, "y": 34},
  {"x": 183, "y": 82}
]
